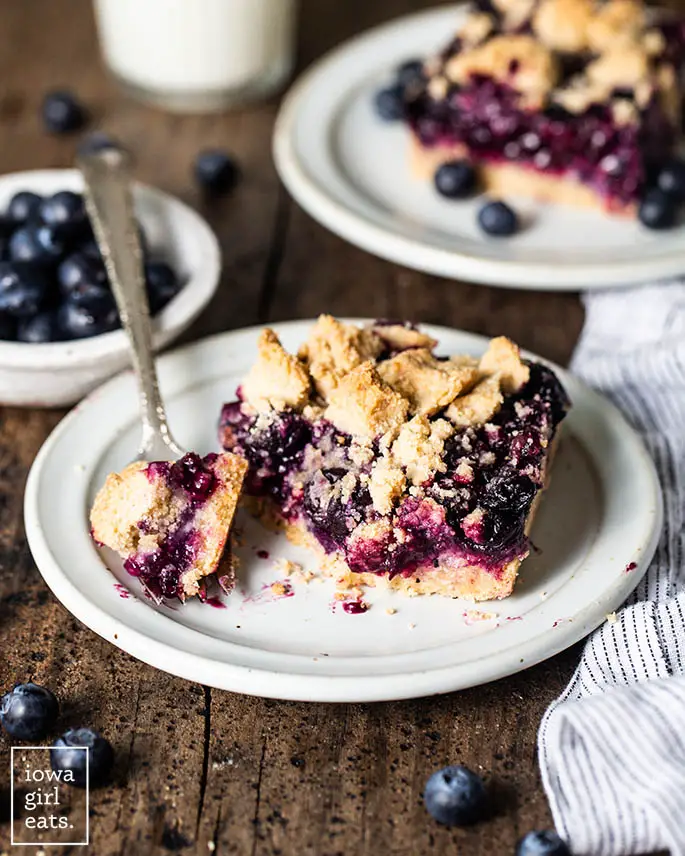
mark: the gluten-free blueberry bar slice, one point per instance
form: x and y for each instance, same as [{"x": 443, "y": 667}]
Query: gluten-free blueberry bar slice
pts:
[
  {"x": 397, "y": 466},
  {"x": 575, "y": 101},
  {"x": 170, "y": 521}
]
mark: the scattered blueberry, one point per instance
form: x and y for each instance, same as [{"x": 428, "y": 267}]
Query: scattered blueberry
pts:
[
  {"x": 455, "y": 179},
  {"x": 78, "y": 269},
  {"x": 98, "y": 141},
  {"x": 62, "y": 112},
  {"x": 8, "y": 328},
  {"x": 23, "y": 206},
  {"x": 542, "y": 842},
  {"x": 389, "y": 103},
  {"x": 67, "y": 755},
  {"x": 38, "y": 329},
  {"x": 40, "y": 244},
  {"x": 215, "y": 171},
  {"x": 498, "y": 219},
  {"x": 671, "y": 179},
  {"x": 81, "y": 321},
  {"x": 28, "y": 712},
  {"x": 456, "y": 797},
  {"x": 410, "y": 72},
  {"x": 23, "y": 287},
  {"x": 657, "y": 210},
  {"x": 162, "y": 284}
]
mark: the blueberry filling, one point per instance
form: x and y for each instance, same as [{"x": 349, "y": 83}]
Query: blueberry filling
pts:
[{"x": 308, "y": 470}]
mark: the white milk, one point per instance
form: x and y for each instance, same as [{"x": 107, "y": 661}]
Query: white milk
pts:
[{"x": 198, "y": 54}]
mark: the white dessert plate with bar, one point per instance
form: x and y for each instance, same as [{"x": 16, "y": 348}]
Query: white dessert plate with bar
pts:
[
  {"x": 285, "y": 630},
  {"x": 534, "y": 124}
]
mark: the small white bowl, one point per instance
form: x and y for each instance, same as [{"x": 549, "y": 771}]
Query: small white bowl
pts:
[{"x": 60, "y": 373}]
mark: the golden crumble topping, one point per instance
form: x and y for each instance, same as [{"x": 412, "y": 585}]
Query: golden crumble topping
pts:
[
  {"x": 504, "y": 358},
  {"x": 419, "y": 447},
  {"x": 386, "y": 484},
  {"x": 398, "y": 337},
  {"x": 479, "y": 405},
  {"x": 277, "y": 379},
  {"x": 362, "y": 404}
]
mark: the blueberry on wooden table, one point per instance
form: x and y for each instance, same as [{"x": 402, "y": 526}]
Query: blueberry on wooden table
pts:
[
  {"x": 498, "y": 219},
  {"x": 542, "y": 842},
  {"x": 215, "y": 171},
  {"x": 455, "y": 796},
  {"x": 455, "y": 179},
  {"x": 28, "y": 711},
  {"x": 657, "y": 210},
  {"x": 67, "y": 755},
  {"x": 389, "y": 103},
  {"x": 62, "y": 112}
]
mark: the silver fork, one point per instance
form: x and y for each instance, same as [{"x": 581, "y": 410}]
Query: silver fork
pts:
[{"x": 109, "y": 203}]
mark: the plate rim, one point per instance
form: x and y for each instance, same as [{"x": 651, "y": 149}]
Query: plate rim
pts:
[
  {"x": 411, "y": 252},
  {"x": 297, "y": 686}
]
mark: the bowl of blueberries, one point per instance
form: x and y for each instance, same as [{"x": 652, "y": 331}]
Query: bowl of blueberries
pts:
[{"x": 60, "y": 333}]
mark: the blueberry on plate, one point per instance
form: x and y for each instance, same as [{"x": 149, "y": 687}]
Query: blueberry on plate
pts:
[
  {"x": 215, "y": 171},
  {"x": 498, "y": 219},
  {"x": 28, "y": 712},
  {"x": 410, "y": 73},
  {"x": 456, "y": 797},
  {"x": 162, "y": 284},
  {"x": 8, "y": 328},
  {"x": 23, "y": 288},
  {"x": 657, "y": 210},
  {"x": 81, "y": 268},
  {"x": 39, "y": 329},
  {"x": 455, "y": 179},
  {"x": 542, "y": 842},
  {"x": 68, "y": 755},
  {"x": 671, "y": 179},
  {"x": 389, "y": 103},
  {"x": 23, "y": 206},
  {"x": 39, "y": 244},
  {"x": 62, "y": 112},
  {"x": 81, "y": 322}
]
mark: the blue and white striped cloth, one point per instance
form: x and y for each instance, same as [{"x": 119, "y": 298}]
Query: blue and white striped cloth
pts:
[{"x": 612, "y": 747}]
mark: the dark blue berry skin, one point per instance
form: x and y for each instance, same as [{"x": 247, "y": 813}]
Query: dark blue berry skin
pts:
[
  {"x": 671, "y": 180},
  {"x": 67, "y": 754},
  {"x": 498, "y": 219},
  {"x": 39, "y": 329},
  {"x": 81, "y": 322},
  {"x": 455, "y": 179},
  {"x": 410, "y": 73},
  {"x": 23, "y": 206},
  {"x": 39, "y": 244},
  {"x": 542, "y": 842},
  {"x": 28, "y": 712},
  {"x": 8, "y": 328},
  {"x": 657, "y": 210},
  {"x": 456, "y": 797},
  {"x": 62, "y": 112},
  {"x": 215, "y": 171},
  {"x": 96, "y": 299},
  {"x": 63, "y": 208},
  {"x": 23, "y": 288},
  {"x": 98, "y": 141},
  {"x": 162, "y": 285},
  {"x": 79, "y": 269},
  {"x": 389, "y": 103}
]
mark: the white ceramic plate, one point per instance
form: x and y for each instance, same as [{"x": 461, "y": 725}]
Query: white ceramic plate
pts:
[
  {"x": 602, "y": 513},
  {"x": 349, "y": 170}
]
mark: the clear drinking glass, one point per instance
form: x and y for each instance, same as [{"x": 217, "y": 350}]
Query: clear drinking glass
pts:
[{"x": 198, "y": 55}]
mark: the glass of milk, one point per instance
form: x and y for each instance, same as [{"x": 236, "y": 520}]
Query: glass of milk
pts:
[{"x": 198, "y": 55}]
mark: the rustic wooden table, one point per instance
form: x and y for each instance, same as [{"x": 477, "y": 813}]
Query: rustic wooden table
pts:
[{"x": 198, "y": 769}]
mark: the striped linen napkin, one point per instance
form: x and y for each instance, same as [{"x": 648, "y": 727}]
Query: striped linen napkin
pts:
[{"x": 612, "y": 747}]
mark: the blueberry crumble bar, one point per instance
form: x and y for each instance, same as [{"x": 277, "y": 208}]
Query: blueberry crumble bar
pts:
[
  {"x": 575, "y": 101},
  {"x": 395, "y": 465},
  {"x": 170, "y": 522}
]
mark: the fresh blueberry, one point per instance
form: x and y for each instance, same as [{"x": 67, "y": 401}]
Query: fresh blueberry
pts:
[
  {"x": 62, "y": 112},
  {"x": 497, "y": 218},
  {"x": 40, "y": 328},
  {"x": 68, "y": 755},
  {"x": 162, "y": 285},
  {"x": 215, "y": 171},
  {"x": 23, "y": 288},
  {"x": 28, "y": 712},
  {"x": 456, "y": 797},
  {"x": 509, "y": 492},
  {"x": 657, "y": 210},
  {"x": 389, "y": 103},
  {"x": 81, "y": 322},
  {"x": 96, "y": 299},
  {"x": 8, "y": 328},
  {"x": 410, "y": 73},
  {"x": 542, "y": 842},
  {"x": 671, "y": 179},
  {"x": 23, "y": 206},
  {"x": 64, "y": 208},
  {"x": 98, "y": 141},
  {"x": 455, "y": 179},
  {"x": 40, "y": 244},
  {"x": 78, "y": 269}
]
